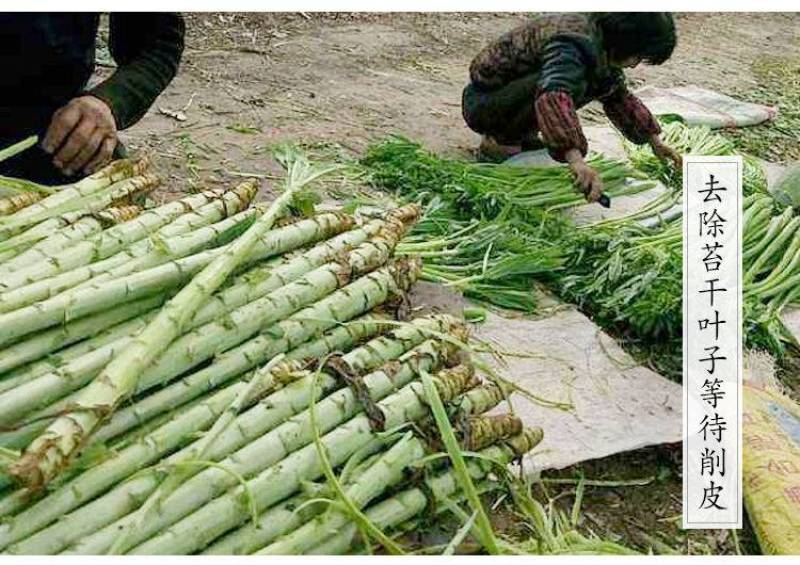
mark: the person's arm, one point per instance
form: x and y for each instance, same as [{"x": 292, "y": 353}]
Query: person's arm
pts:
[
  {"x": 563, "y": 79},
  {"x": 633, "y": 119},
  {"x": 147, "y": 47}
]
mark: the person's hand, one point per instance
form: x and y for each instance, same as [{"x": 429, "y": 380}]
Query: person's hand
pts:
[
  {"x": 587, "y": 179},
  {"x": 82, "y": 135},
  {"x": 666, "y": 153}
]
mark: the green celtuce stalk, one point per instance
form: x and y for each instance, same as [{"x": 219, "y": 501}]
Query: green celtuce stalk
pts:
[
  {"x": 159, "y": 251},
  {"x": 18, "y": 243},
  {"x": 374, "y": 289},
  {"x": 405, "y": 505},
  {"x": 274, "y": 409},
  {"x": 197, "y": 530},
  {"x": 121, "y": 191},
  {"x": 387, "y": 471},
  {"x": 51, "y": 280},
  {"x": 160, "y": 442},
  {"x": 287, "y": 517},
  {"x": 114, "y": 172},
  {"x": 276, "y": 521},
  {"x": 268, "y": 377},
  {"x": 80, "y": 369},
  {"x": 371, "y": 290},
  {"x": 16, "y": 202},
  {"x": 255, "y": 284},
  {"x": 54, "y": 246},
  {"x": 364, "y": 258},
  {"x": 51, "y": 452},
  {"x": 483, "y": 530},
  {"x": 216, "y": 336},
  {"x": 96, "y": 297},
  {"x": 117, "y": 238},
  {"x": 59, "y": 359},
  {"x": 18, "y": 147},
  {"x": 252, "y": 457},
  {"x": 41, "y": 344},
  {"x": 266, "y": 380}
]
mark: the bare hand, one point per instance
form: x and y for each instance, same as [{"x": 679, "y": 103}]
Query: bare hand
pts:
[
  {"x": 82, "y": 135},
  {"x": 588, "y": 180},
  {"x": 666, "y": 153}
]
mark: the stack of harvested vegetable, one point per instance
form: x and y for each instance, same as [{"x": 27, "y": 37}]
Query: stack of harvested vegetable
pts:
[
  {"x": 629, "y": 271},
  {"x": 488, "y": 229},
  {"x": 176, "y": 382}
]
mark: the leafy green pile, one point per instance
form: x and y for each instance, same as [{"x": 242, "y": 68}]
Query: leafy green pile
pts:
[
  {"x": 777, "y": 84},
  {"x": 492, "y": 229},
  {"x": 632, "y": 277},
  {"x": 488, "y": 229},
  {"x": 693, "y": 140}
]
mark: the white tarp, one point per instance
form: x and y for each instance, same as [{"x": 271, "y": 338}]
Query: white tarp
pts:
[
  {"x": 698, "y": 106},
  {"x": 612, "y": 405}
]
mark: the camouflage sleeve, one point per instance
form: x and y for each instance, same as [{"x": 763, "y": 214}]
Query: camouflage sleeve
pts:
[
  {"x": 147, "y": 48},
  {"x": 629, "y": 114}
]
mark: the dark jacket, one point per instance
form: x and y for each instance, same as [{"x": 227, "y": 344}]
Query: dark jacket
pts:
[
  {"x": 48, "y": 58},
  {"x": 566, "y": 56}
]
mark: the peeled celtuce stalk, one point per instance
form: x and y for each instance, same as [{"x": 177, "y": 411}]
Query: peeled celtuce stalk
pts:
[
  {"x": 105, "y": 294},
  {"x": 196, "y": 530},
  {"x": 51, "y": 281},
  {"x": 143, "y": 452},
  {"x": 51, "y": 452},
  {"x": 405, "y": 505}
]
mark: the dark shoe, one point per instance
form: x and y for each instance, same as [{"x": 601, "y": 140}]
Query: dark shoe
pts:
[{"x": 490, "y": 151}]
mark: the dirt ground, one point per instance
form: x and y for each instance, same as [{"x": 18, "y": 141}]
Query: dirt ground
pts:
[{"x": 342, "y": 81}]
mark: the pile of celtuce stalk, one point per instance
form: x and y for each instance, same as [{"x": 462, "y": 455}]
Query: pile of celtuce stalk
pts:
[{"x": 213, "y": 376}]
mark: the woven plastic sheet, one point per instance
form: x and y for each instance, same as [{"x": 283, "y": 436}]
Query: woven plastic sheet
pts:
[
  {"x": 698, "y": 106},
  {"x": 771, "y": 459},
  {"x": 592, "y": 399}
]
